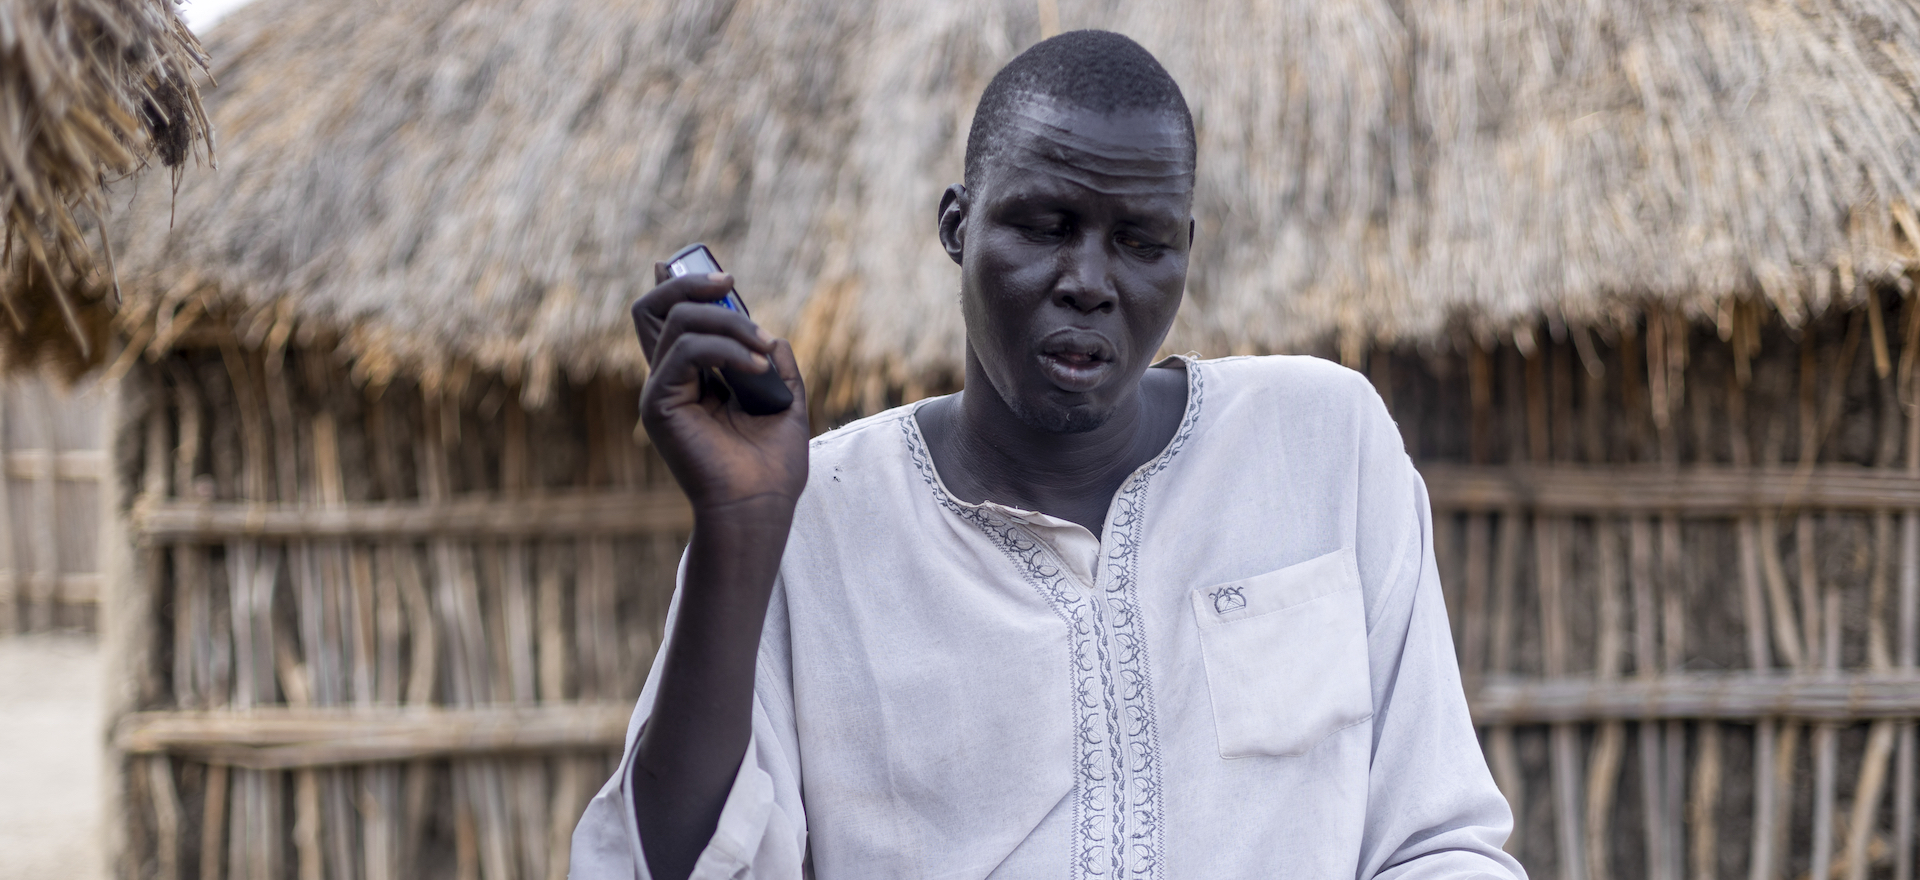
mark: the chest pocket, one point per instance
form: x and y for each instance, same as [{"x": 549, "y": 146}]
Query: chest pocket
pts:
[{"x": 1286, "y": 656}]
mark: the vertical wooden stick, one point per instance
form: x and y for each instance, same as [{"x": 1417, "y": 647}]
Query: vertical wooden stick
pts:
[
  {"x": 1473, "y": 603},
  {"x": 1603, "y": 770},
  {"x": 166, "y": 809},
  {"x": 1673, "y": 644},
  {"x": 12, "y": 614},
  {"x": 1705, "y": 804},
  {"x": 1908, "y": 642},
  {"x": 1866, "y": 798},
  {"x": 1824, "y": 773},
  {"x": 1564, "y": 738},
  {"x": 46, "y": 591},
  {"x": 1652, "y": 752},
  {"x": 1785, "y": 618},
  {"x": 569, "y": 774},
  {"x": 1786, "y": 755},
  {"x": 213, "y": 824},
  {"x": 1502, "y": 755},
  {"x": 306, "y": 824}
]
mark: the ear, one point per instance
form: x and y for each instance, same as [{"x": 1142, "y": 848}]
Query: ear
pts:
[{"x": 954, "y": 204}]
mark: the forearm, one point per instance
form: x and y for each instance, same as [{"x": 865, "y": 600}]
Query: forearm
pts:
[
  {"x": 1434, "y": 811},
  {"x": 697, "y": 733}
]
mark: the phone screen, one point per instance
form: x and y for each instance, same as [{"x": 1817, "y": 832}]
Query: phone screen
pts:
[{"x": 699, "y": 259}]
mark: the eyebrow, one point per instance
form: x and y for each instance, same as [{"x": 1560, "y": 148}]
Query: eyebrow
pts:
[{"x": 1045, "y": 195}]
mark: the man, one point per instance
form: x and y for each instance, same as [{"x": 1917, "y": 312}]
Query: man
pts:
[{"x": 1090, "y": 617}]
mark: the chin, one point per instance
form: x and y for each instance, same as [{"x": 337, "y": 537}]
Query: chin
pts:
[{"x": 1061, "y": 420}]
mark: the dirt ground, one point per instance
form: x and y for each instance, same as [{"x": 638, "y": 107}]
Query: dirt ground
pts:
[{"x": 50, "y": 756}]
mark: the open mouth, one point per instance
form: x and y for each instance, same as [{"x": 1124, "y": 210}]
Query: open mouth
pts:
[{"x": 1075, "y": 360}]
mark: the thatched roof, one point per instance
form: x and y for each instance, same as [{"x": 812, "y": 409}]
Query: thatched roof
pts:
[
  {"x": 90, "y": 91},
  {"x": 485, "y": 182}
]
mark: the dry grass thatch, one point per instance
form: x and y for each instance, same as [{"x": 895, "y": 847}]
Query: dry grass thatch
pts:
[
  {"x": 90, "y": 90},
  {"x": 478, "y": 182}
]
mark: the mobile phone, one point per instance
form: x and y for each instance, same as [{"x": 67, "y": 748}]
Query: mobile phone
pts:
[{"x": 759, "y": 394}]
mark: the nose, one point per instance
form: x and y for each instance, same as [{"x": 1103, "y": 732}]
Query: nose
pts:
[{"x": 1086, "y": 282}]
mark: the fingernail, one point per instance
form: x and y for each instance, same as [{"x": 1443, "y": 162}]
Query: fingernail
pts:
[
  {"x": 716, "y": 277},
  {"x": 764, "y": 335}
]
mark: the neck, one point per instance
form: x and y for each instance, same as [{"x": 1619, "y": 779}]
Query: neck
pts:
[{"x": 987, "y": 453}]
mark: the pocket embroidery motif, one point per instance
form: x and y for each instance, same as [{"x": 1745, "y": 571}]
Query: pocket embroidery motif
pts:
[{"x": 1286, "y": 656}]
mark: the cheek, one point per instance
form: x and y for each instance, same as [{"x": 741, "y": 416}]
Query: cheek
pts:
[
  {"x": 1011, "y": 277},
  {"x": 1161, "y": 292}
]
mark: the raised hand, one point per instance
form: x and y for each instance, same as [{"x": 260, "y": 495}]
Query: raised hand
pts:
[
  {"x": 721, "y": 456},
  {"x": 744, "y": 474}
]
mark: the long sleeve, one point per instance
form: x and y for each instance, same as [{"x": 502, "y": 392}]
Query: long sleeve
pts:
[
  {"x": 1433, "y": 810},
  {"x": 762, "y": 832}
]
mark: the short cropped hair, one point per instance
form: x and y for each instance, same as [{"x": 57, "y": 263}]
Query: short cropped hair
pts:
[{"x": 1099, "y": 71}]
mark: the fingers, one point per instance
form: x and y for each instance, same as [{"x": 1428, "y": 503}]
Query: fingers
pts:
[
  {"x": 688, "y": 319},
  {"x": 650, "y": 310},
  {"x": 789, "y": 367},
  {"x": 675, "y": 379}
]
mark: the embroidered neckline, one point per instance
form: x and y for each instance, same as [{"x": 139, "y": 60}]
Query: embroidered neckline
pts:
[
  {"x": 910, "y": 422},
  {"x": 1118, "y": 818}
]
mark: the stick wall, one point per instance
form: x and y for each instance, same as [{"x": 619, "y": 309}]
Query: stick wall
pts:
[
  {"x": 1683, "y": 565},
  {"x": 397, "y": 635},
  {"x": 454, "y": 679}
]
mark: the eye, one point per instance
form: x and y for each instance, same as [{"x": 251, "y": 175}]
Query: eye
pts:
[
  {"x": 1140, "y": 245},
  {"x": 1044, "y": 230}
]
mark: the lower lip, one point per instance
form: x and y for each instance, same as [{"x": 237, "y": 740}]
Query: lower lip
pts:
[{"x": 1077, "y": 377}]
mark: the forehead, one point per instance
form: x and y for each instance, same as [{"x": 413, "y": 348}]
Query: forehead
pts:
[{"x": 1044, "y": 142}]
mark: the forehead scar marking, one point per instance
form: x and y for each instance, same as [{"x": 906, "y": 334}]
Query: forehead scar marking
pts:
[
  {"x": 1072, "y": 144},
  {"x": 1105, "y": 164},
  {"x": 1109, "y": 182}
]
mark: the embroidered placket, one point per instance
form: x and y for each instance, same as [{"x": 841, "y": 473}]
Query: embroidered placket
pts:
[{"x": 1118, "y": 809}]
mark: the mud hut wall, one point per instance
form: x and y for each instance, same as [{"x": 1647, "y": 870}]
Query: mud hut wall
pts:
[
  {"x": 53, "y": 449},
  {"x": 1681, "y": 562},
  {"x": 393, "y": 633}
]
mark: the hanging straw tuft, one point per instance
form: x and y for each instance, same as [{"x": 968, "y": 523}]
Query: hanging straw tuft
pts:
[{"x": 90, "y": 90}]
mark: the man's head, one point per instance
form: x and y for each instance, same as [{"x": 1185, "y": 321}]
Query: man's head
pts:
[
  {"x": 1072, "y": 228},
  {"x": 1100, "y": 71}
]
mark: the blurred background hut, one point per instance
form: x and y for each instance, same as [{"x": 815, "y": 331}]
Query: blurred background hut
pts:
[
  {"x": 53, "y": 445},
  {"x": 1636, "y": 280},
  {"x": 91, "y": 91}
]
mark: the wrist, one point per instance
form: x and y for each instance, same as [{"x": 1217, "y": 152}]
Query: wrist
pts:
[{"x": 753, "y": 515}]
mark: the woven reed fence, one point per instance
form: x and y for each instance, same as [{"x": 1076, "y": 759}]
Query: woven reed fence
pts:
[
  {"x": 1683, "y": 566},
  {"x": 52, "y": 444},
  {"x": 377, "y": 635}
]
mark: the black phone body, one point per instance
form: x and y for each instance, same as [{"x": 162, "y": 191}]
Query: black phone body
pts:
[{"x": 759, "y": 394}]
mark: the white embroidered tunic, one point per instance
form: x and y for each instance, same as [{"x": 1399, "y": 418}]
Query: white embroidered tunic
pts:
[{"x": 1249, "y": 674}]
